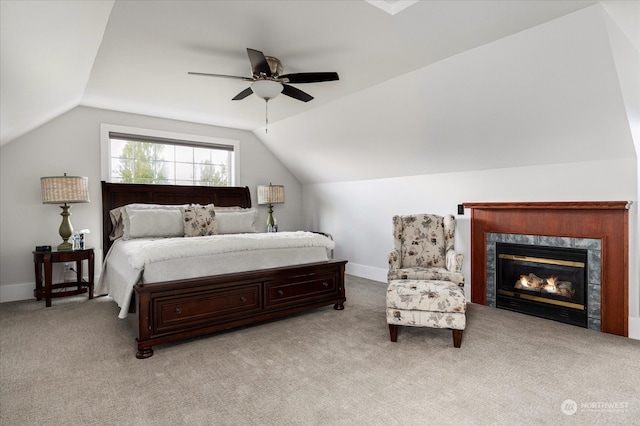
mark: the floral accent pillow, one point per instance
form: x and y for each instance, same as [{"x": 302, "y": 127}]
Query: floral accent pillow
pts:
[{"x": 199, "y": 220}]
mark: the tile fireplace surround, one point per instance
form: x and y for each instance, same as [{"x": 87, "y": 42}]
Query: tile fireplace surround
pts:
[{"x": 607, "y": 222}]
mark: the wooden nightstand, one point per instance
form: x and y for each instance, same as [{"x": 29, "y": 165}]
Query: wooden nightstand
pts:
[{"x": 45, "y": 259}]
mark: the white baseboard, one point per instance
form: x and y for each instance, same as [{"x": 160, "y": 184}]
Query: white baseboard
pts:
[
  {"x": 368, "y": 272},
  {"x": 24, "y": 291},
  {"x": 15, "y": 292},
  {"x": 634, "y": 328}
]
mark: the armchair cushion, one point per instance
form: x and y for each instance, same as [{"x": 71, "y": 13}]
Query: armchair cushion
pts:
[{"x": 417, "y": 273}]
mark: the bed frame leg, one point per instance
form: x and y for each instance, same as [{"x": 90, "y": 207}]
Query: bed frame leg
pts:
[{"x": 144, "y": 353}]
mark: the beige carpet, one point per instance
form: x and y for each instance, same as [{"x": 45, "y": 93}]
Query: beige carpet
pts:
[{"x": 74, "y": 364}]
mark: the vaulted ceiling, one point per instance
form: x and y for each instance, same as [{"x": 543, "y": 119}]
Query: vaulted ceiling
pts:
[{"x": 446, "y": 76}]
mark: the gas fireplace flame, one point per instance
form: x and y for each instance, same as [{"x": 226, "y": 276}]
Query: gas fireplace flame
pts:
[{"x": 550, "y": 284}]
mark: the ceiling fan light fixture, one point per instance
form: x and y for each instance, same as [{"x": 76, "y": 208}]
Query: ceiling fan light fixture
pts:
[{"x": 266, "y": 89}]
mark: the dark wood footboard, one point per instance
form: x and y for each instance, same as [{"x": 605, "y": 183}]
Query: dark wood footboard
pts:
[{"x": 178, "y": 310}]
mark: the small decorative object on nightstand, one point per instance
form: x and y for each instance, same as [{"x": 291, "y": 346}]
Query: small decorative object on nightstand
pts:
[
  {"x": 271, "y": 194},
  {"x": 44, "y": 285}
]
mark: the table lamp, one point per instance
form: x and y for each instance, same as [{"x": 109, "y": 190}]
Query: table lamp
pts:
[
  {"x": 270, "y": 194},
  {"x": 62, "y": 190}
]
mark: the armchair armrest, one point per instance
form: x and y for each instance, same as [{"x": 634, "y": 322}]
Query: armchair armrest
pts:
[
  {"x": 454, "y": 261},
  {"x": 394, "y": 259}
]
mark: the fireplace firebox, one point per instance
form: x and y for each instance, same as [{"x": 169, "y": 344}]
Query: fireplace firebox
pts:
[{"x": 548, "y": 282}]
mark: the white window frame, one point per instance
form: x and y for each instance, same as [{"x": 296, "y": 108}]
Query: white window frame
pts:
[{"x": 105, "y": 146}]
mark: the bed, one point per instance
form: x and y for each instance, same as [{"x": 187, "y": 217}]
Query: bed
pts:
[{"x": 167, "y": 310}]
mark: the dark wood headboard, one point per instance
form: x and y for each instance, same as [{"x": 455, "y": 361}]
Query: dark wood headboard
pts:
[{"x": 120, "y": 194}]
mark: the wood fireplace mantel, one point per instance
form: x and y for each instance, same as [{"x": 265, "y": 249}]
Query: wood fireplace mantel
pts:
[{"x": 607, "y": 221}]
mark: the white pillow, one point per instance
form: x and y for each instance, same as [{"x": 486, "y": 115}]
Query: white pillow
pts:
[
  {"x": 229, "y": 209},
  {"x": 152, "y": 220},
  {"x": 236, "y": 221}
]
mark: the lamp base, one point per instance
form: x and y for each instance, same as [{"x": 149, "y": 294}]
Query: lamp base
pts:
[
  {"x": 271, "y": 222},
  {"x": 66, "y": 229},
  {"x": 65, "y": 246}
]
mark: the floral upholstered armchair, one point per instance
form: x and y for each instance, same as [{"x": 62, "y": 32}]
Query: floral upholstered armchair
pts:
[{"x": 423, "y": 249}]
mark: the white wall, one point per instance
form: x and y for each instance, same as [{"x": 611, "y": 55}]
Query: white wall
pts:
[
  {"x": 71, "y": 144},
  {"x": 358, "y": 213},
  {"x": 627, "y": 59}
]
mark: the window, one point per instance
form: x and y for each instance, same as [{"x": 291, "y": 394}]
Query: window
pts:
[{"x": 153, "y": 157}]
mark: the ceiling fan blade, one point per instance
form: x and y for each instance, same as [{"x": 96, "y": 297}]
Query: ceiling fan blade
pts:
[
  {"x": 221, "y": 75},
  {"x": 296, "y": 93},
  {"x": 259, "y": 64},
  {"x": 310, "y": 77},
  {"x": 246, "y": 92}
]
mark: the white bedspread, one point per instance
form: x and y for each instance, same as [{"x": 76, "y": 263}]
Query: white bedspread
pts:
[{"x": 127, "y": 260}]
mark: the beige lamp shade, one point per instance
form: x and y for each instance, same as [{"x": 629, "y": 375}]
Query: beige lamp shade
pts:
[
  {"x": 270, "y": 194},
  {"x": 64, "y": 189}
]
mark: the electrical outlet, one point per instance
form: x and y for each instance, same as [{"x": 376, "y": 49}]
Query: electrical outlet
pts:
[{"x": 68, "y": 274}]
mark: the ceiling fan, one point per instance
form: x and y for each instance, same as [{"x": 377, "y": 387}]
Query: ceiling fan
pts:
[{"x": 268, "y": 81}]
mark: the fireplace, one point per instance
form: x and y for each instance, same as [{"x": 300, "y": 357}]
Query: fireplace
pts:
[
  {"x": 601, "y": 227},
  {"x": 548, "y": 282}
]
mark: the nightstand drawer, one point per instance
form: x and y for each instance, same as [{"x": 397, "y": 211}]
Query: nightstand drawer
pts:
[
  {"x": 285, "y": 293},
  {"x": 217, "y": 305}
]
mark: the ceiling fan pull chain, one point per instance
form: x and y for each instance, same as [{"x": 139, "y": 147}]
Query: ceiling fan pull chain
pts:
[{"x": 266, "y": 115}]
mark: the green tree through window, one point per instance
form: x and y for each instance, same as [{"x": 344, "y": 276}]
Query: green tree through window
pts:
[
  {"x": 142, "y": 163},
  {"x": 212, "y": 175}
]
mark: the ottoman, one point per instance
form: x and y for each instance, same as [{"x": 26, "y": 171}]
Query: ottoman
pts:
[{"x": 426, "y": 303}]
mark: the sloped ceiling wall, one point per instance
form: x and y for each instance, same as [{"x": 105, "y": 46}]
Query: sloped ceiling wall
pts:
[
  {"x": 48, "y": 49},
  {"x": 626, "y": 56},
  {"x": 546, "y": 95}
]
